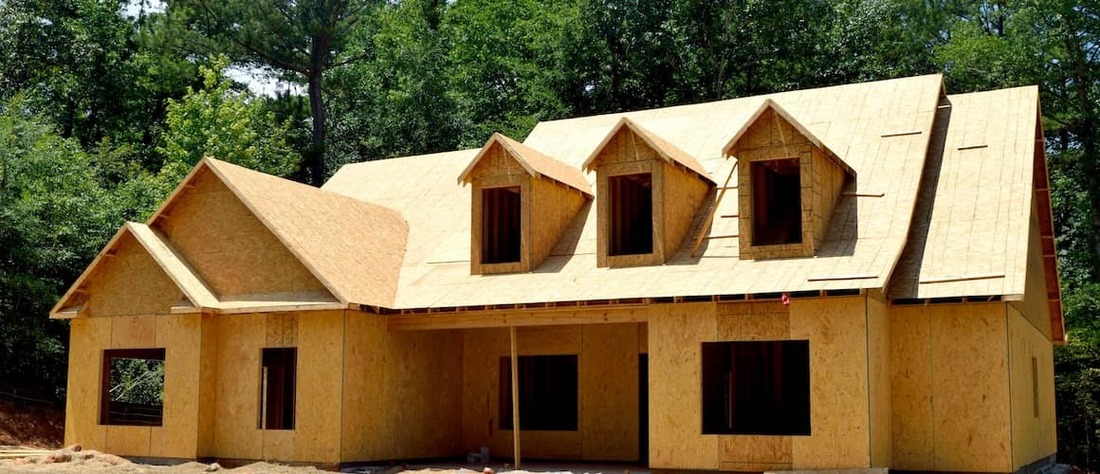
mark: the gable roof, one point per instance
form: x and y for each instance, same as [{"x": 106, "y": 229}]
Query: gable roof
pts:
[
  {"x": 669, "y": 152},
  {"x": 185, "y": 278},
  {"x": 534, "y": 162},
  {"x": 770, "y": 104},
  {"x": 352, "y": 247},
  {"x": 860, "y": 250}
]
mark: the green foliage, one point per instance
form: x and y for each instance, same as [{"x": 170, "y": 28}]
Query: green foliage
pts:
[
  {"x": 138, "y": 381},
  {"x": 226, "y": 124}
]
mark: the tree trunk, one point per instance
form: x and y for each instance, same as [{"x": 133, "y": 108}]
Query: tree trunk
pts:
[{"x": 316, "y": 158}]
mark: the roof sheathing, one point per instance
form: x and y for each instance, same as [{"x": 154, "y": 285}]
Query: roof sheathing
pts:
[
  {"x": 534, "y": 162},
  {"x": 861, "y": 248}
]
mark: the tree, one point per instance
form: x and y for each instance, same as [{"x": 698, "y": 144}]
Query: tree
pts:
[{"x": 302, "y": 38}]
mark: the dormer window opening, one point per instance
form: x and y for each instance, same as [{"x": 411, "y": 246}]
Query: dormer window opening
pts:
[
  {"x": 500, "y": 233},
  {"x": 631, "y": 204},
  {"x": 777, "y": 202}
]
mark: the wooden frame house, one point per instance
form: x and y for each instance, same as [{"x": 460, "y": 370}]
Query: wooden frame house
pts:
[{"x": 860, "y": 276}]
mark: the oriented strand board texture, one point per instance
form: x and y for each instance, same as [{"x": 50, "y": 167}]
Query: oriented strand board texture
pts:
[
  {"x": 181, "y": 337},
  {"x": 607, "y": 391},
  {"x": 402, "y": 393},
  {"x": 839, "y": 406},
  {"x": 1033, "y": 433},
  {"x": 878, "y": 364},
  {"x": 982, "y": 201},
  {"x": 87, "y": 339},
  {"x": 130, "y": 282},
  {"x": 1034, "y": 305},
  {"x": 850, "y": 119},
  {"x": 950, "y": 388},
  {"x": 827, "y": 182},
  {"x": 552, "y": 208},
  {"x": 208, "y": 385},
  {"x": 228, "y": 246},
  {"x": 683, "y": 196},
  {"x": 530, "y": 160},
  {"x": 837, "y": 332}
]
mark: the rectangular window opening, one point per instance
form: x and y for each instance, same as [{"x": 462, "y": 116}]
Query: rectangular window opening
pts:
[
  {"x": 132, "y": 391},
  {"x": 756, "y": 387},
  {"x": 500, "y": 225},
  {"x": 277, "y": 381},
  {"x": 631, "y": 205},
  {"x": 1035, "y": 386},
  {"x": 776, "y": 202},
  {"x": 547, "y": 393}
]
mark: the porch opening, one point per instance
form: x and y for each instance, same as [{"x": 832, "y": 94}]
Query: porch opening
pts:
[{"x": 547, "y": 393}]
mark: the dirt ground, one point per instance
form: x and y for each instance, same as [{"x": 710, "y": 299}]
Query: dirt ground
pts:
[{"x": 36, "y": 427}]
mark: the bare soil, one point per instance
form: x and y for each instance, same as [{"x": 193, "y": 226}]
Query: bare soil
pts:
[{"x": 35, "y": 427}]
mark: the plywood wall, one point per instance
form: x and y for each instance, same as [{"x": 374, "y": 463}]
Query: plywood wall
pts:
[
  {"x": 683, "y": 193},
  {"x": 607, "y": 386},
  {"x": 878, "y": 369},
  {"x": 837, "y": 333},
  {"x": 402, "y": 393},
  {"x": 88, "y": 337},
  {"x": 1034, "y": 306},
  {"x": 826, "y": 182},
  {"x": 130, "y": 283},
  {"x": 552, "y": 208},
  {"x": 228, "y": 246},
  {"x": 949, "y": 384},
  {"x": 1033, "y": 423}
]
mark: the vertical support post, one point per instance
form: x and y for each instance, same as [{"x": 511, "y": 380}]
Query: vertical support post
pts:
[{"x": 515, "y": 397}]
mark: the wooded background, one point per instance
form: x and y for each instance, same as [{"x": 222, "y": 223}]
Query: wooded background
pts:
[{"x": 106, "y": 104}]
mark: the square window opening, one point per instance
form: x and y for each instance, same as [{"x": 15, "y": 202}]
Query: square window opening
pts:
[
  {"x": 132, "y": 391},
  {"x": 547, "y": 393},
  {"x": 777, "y": 202},
  {"x": 278, "y": 377},
  {"x": 756, "y": 387},
  {"x": 631, "y": 205},
  {"x": 500, "y": 225}
]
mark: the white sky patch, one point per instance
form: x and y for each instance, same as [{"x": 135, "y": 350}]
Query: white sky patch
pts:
[
  {"x": 134, "y": 8},
  {"x": 262, "y": 82}
]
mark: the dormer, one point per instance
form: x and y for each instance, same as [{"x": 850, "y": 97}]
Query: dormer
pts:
[
  {"x": 648, "y": 193},
  {"x": 522, "y": 201},
  {"x": 788, "y": 184}
]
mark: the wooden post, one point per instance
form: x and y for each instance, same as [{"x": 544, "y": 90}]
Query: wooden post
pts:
[{"x": 515, "y": 398}]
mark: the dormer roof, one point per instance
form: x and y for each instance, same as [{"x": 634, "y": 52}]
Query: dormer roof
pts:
[
  {"x": 533, "y": 161},
  {"x": 667, "y": 151},
  {"x": 770, "y": 104}
]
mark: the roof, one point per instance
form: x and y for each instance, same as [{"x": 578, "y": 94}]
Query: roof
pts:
[
  {"x": 534, "y": 162},
  {"x": 865, "y": 239},
  {"x": 771, "y": 104},
  {"x": 669, "y": 152}
]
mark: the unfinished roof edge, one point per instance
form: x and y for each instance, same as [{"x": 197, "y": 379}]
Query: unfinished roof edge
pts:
[
  {"x": 770, "y": 104},
  {"x": 669, "y": 152},
  {"x": 536, "y": 164}
]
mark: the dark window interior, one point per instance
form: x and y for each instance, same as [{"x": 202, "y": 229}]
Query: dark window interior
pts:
[
  {"x": 547, "y": 393},
  {"x": 1035, "y": 386},
  {"x": 777, "y": 202},
  {"x": 500, "y": 225},
  {"x": 631, "y": 207},
  {"x": 277, "y": 381},
  {"x": 132, "y": 391},
  {"x": 756, "y": 387}
]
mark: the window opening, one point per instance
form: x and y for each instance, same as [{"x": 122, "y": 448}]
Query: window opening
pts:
[
  {"x": 777, "y": 202},
  {"x": 500, "y": 225},
  {"x": 547, "y": 393},
  {"x": 1035, "y": 387},
  {"x": 277, "y": 381},
  {"x": 631, "y": 207},
  {"x": 132, "y": 387},
  {"x": 756, "y": 387}
]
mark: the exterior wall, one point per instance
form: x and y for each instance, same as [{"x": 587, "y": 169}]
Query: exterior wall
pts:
[
  {"x": 949, "y": 384},
  {"x": 228, "y": 246},
  {"x": 836, "y": 329},
  {"x": 683, "y": 194},
  {"x": 626, "y": 154},
  {"x": 607, "y": 410},
  {"x": 1034, "y": 306},
  {"x": 316, "y": 434},
  {"x": 402, "y": 392},
  {"x": 180, "y": 336},
  {"x": 1033, "y": 417},
  {"x": 552, "y": 208},
  {"x": 878, "y": 369},
  {"x": 130, "y": 283},
  {"x": 826, "y": 182},
  {"x": 497, "y": 169}
]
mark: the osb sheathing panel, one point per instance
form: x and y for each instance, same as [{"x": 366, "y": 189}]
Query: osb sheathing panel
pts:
[
  {"x": 827, "y": 182},
  {"x": 552, "y": 208},
  {"x": 228, "y": 246},
  {"x": 87, "y": 339},
  {"x": 607, "y": 391},
  {"x": 130, "y": 283},
  {"x": 837, "y": 331},
  {"x": 950, "y": 387},
  {"x": 675, "y": 386},
  {"x": 317, "y": 421},
  {"x": 878, "y": 361},
  {"x": 1034, "y": 306},
  {"x": 402, "y": 392},
  {"x": 208, "y": 385},
  {"x": 181, "y": 337},
  {"x": 237, "y": 394},
  {"x": 128, "y": 440},
  {"x": 1033, "y": 433},
  {"x": 683, "y": 194}
]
